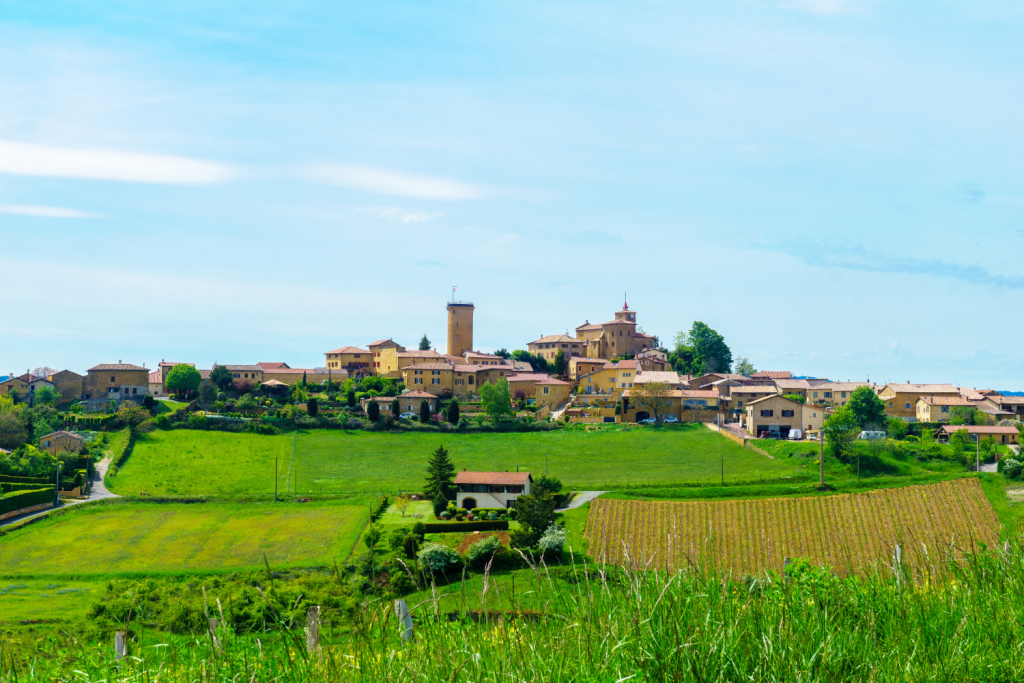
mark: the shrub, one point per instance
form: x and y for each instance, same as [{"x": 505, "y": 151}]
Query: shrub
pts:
[
  {"x": 480, "y": 552},
  {"x": 440, "y": 504},
  {"x": 1011, "y": 468},
  {"x": 459, "y": 527},
  {"x": 373, "y": 411},
  {"x": 437, "y": 558},
  {"x": 419, "y": 529},
  {"x": 379, "y": 509},
  {"x": 396, "y": 538},
  {"x": 311, "y": 407},
  {"x": 410, "y": 545},
  {"x": 552, "y": 541}
]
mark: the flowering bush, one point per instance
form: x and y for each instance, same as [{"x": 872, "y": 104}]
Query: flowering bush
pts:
[
  {"x": 552, "y": 540},
  {"x": 438, "y": 558},
  {"x": 480, "y": 552}
]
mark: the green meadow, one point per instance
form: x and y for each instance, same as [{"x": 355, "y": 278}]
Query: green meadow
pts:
[{"x": 185, "y": 462}]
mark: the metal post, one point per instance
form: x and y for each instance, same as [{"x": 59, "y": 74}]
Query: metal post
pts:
[
  {"x": 56, "y": 487},
  {"x": 821, "y": 458},
  {"x": 977, "y": 440}
]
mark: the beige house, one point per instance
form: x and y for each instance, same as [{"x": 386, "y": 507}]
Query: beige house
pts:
[
  {"x": 1006, "y": 435},
  {"x": 667, "y": 377},
  {"x": 477, "y": 358},
  {"x": 24, "y": 386},
  {"x": 771, "y": 374},
  {"x": 291, "y": 376},
  {"x": 1010, "y": 404},
  {"x": 253, "y": 374},
  {"x": 901, "y": 399},
  {"x": 742, "y": 396},
  {"x": 686, "y": 405},
  {"x": 409, "y": 402},
  {"x": 526, "y": 382},
  {"x": 377, "y": 353},
  {"x": 704, "y": 381},
  {"x": 116, "y": 381},
  {"x": 552, "y": 392},
  {"x": 774, "y": 416},
  {"x": 491, "y": 489},
  {"x": 68, "y": 384},
  {"x": 615, "y": 338},
  {"x": 579, "y": 366},
  {"x": 834, "y": 394},
  {"x": 358, "y": 362},
  {"x": 549, "y": 346},
  {"x": 392, "y": 361},
  {"x": 61, "y": 442},
  {"x": 940, "y": 408},
  {"x": 432, "y": 378}
]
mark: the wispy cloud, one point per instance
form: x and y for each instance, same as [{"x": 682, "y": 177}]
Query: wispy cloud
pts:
[
  {"x": 858, "y": 258},
  {"x": 45, "y": 211},
  {"x": 392, "y": 182},
  {"x": 100, "y": 164},
  {"x": 400, "y": 215},
  {"x": 824, "y": 6}
]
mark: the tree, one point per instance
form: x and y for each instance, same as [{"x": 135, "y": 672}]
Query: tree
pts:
[
  {"x": 535, "y": 515},
  {"x": 840, "y": 430},
  {"x": 796, "y": 397},
  {"x": 44, "y": 371},
  {"x": 497, "y": 399},
  {"x": 546, "y": 486},
  {"x": 744, "y": 366},
  {"x": 424, "y": 411},
  {"x": 896, "y": 428},
  {"x": 183, "y": 379},
  {"x": 148, "y": 403},
  {"x": 304, "y": 383},
  {"x": 402, "y": 504},
  {"x": 503, "y": 353},
  {"x": 440, "y": 477},
  {"x": 12, "y": 434},
  {"x": 207, "y": 392},
  {"x": 47, "y": 396},
  {"x": 654, "y": 396},
  {"x": 312, "y": 408},
  {"x": 561, "y": 362},
  {"x": 710, "y": 349},
  {"x": 868, "y": 409},
  {"x": 131, "y": 414},
  {"x": 221, "y": 376},
  {"x": 440, "y": 504},
  {"x": 395, "y": 407},
  {"x": 453, "y": 412},
  {"x": 373, "y": 412},
  {"x": 350, "y": 397},
  {"x": 424, "y": 343}
]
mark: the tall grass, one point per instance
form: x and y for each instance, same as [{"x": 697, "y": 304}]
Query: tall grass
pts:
[{"x": 604, "y": 624}]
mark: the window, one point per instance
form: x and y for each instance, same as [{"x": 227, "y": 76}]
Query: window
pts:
[
  {"x": 545, "y": 390},
  {"x": 890, "y": 404},
  {"x": 623, "y": 385},
  {"x": 828, "y": 394},
  {"x": 945, "y": 409},
  {"x": 358, "y": 356},
  {"x": 111, "y": 378},
  {"x": 417, "y": 372},
  {"x": 471, "y": 380},
  {"x": 787, "y": 413},
  {"x": 906, "y": 406},
  {"x": 458, "y": 381},
  {"x": 237, "y": 375},
  {"x": 419, "y": 380},
  {"x": 435, "y": 372},
  {"x": 135, "y": 390},
  {"x": 766, "y": 413},
  {"x": 843, "y": 394},
  {"x": 435, "y": 380}
]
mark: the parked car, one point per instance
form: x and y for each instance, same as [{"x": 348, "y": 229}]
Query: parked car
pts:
[
  {"x": 648, "y": 421},
  {"x": 871, "y": 435},
  {"x": 407, "y": 416},
  {"x": 671, "y": 419},
  {"x": 796, "y": 434},
  {"x": 812, "y": 436}
]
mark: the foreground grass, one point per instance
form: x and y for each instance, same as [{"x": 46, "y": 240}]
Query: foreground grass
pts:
[
  {"x": 126, "y": 536},
  {"x": 610, "y": 625},
  {"x": 218, "y": 463}
]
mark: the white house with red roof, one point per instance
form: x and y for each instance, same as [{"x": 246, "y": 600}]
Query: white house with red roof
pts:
[{"x": 491, "y": 489}]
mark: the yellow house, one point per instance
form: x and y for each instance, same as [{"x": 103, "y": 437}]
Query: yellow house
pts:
[
  {"x": 25, "y": 386},
  {"x": 477, "y": 358},
  {"x": 61, "y": 442},
  {"x": 901, "y": 399},
  {"x": 253, "y": 374},
  {"x": 68, "y": 384},
  {"x": 552, "y": 392},
  {"x": 116, "y": 381},
  {"x": 833, "y": 394},
  {"x": 940, "y": 408},
  {"x": 741, "y": 396},
  {"x": 432, "y": 378},
  {"x": 774, "y": 416},
  {"x": 615, "y": 338},
  {"x": 525, "y": 382},
  {"x": 549, "y": 346},
  {"x": 392, "y": 361},
  {"x": 358, "y": 362},
  {"x": 579, "y": 366},
  {"x": 685, "y": 405},
  {"x": 377, "y": 353},
  {"x": 291, "y": 376},
  {"x": 666, "y": 377}
]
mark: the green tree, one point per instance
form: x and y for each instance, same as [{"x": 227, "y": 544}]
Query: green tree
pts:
[
  {"x": 546, "y": 486},
  {"x": 12, "y": 433},
  {"x": 350, "y": 397},
  {"x": 745, "y": 367},
  {"x": 535, "y": 515},
  {"x": 312, "y": 407},
  {"x": 796, "y": 397},
  {"x": 149, "y": 404},
  {"x": 221, "y": 376},
  {"x": 841, "y": 429},
  {"x": 503, "y": 353},
  {"x": 47, "y": 396},
  {"x": 395, "y": 408},
  {"x": 710, "y": 350},
  {"x": 868, "y": 409},
  {"x": 246, "y": 402},
  {"x": 453, "y": 411},
  {"x": 654, "y": 396},
  {"x": 132, "y": 414},
  {"x": 497, "y": 399},
  {"x": 373, "y": 411},
  {"x": 424, "y": 411},
  {"x": 440, "y": 477},
  {"x": 440, "y": 503},
  {"x": 896, "y": 428},
  {"x": 207, "y": 392},
  {"x": 424, "y": 343},
  {"x": 304, "y": 383},
  {"x": 183, "y": 379},
  {"x": 561, "y": 362}
]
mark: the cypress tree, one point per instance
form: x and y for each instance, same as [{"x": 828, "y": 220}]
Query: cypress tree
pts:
[
  {"x": 440, "y": 476},
  {"x": 373, "y": 411},
  {"x": 395, "y": 408},
  {"x": 311, "y": 407},
  {"x": 351, "y": 398},
  {"x": 453, "y": 411},
  {"x": 424, "y": 411}
]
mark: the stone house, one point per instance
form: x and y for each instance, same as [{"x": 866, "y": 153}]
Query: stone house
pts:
[
  {"x": 491, "y": 489},
  {"x": 61, "y": 442},
  {"x": 774, "y": 416},
  {"x": 901, "y": 399},
  {"x": 116, "y": 381}
]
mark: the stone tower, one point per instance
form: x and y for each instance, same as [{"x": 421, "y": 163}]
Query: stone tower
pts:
[{"x": 460, "y": 327}]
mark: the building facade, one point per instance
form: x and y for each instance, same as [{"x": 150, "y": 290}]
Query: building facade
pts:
[
  {"x": 901, "y": 399},
  {"x": 549, "y": 346},
  {"x": 491, "y": 489},
  {"x": 460, "y": 327},
  {"x": 616, "y": 338}
]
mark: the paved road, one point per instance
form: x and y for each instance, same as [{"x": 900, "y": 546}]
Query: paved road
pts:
[
  {"x": 99, "y": 492},
  {"x": 582, "y": 498}
]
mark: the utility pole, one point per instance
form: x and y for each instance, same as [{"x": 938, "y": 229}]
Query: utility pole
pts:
[
  {"x": 821, "y": 458},
  {"x": 56, "y": 486},
  {"x": 275, "y": 478},
  {"x": 977, "y": 440}
]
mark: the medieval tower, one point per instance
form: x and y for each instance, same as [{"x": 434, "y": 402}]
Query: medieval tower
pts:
[{"x": 460, "y": 327}]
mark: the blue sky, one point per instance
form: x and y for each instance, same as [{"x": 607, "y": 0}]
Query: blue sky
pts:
[{"x": 836, "y": 186}]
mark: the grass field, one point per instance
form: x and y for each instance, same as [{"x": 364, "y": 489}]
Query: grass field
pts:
[
  {"x": 47, "y": 599},
  {"x": 848, "y": 532},
  {"x": 183, "y": 462},
  {"x": 152, "y": 537}
]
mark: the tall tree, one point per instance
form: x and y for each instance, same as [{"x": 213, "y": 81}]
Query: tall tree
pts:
[
  {"x": 561, "y": 362},
  {"x": 395, "y": 408},
  {"x": 535, "y": 514},
  {"x": 653, "y": 396},
  {"x": 424, "y": 343},
  {"x": 312, "y": 407},
  {"x": 183, "y": 379},
  {"x": 840, "y": 430},
  {"x": 440, "y": 476},
  {"x": 453, "y": 411},
  {"x": 497, "y": 399},
  {"x": 424, "y": 411},
  {"x": 744, "y": 366},
  {"x": 44, "y": 371},
  {"x": 867, "y": 408},
  {"x": 502, "y": 353},
  {"x": 373, "y": 411},
  {"x": 221, "y": 376},
  {"x": 710, "y": 349}
]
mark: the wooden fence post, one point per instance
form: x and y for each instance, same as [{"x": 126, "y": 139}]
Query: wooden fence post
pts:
[
  {"x": 402, "y": 612},
  {"x": 120, "y": 645},
  {"x": 313, "y": 629}
]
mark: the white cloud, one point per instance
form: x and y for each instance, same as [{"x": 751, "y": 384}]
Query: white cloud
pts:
[
  {"x": 398, "y": 183},
  {"x": 400, "y": 215},
  {"x": 45, "y": 211},
  {"x": 98, "y": 164},
  {"x": 823, "y": 6}
]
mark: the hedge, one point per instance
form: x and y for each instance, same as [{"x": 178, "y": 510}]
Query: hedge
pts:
[
  {"x": 122, "y": 454},
  {"x": 377, "y": 511},
  {"x": 12, "y": 487},
  {"x": 42, "y": 481},
  {"x": 454, "y": 527},
  {"x": 9, "y": 502}
]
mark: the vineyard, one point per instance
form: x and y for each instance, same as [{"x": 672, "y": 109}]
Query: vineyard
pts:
[{"x": 848, "y": 532}]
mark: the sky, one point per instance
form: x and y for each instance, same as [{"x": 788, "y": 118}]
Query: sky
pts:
[{"x": 836, "y": 186}]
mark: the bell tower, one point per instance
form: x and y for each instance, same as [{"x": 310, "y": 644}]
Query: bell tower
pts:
[{"x": 460, "y": 327}]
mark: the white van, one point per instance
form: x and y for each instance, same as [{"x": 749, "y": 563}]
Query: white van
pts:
[
  {"x": 796, "y": 434},
  {"x": 871, "y": 435}
]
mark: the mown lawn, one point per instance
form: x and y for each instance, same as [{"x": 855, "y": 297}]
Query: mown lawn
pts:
[
  {"x": 172, "y": 537},
  {"x": 217, "y": 463},
  {"x": 30, "y": 599}
]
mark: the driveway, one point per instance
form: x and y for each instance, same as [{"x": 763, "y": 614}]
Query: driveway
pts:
[
  {"x": 581, "y": 499},
  {"x": 99, "y": 492}
]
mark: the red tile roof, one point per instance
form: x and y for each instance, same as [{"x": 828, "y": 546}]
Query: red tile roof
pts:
[
  {"x": 116, "y": 366},
  {"x": 273, "y": 366},
  {"x": 552, "y": 380},
  {"x": 528, "y": 377},
  {"x": 923, "y": 388},
  {"x": 348, "y": 349},
  {"x": 771, "y": 374},
  {"x": 419, "y": 354},
  {"x": 947, "y": 401},
  {"x": 171, "y": 364},
  {"x": 244, "y": 368},
  {"x": 154, "y": 377},
  {"x": 972, "y": 429},
  {"x": 431, "y": 366},
  {"x": 77, "y": 437},
  {"x": 417, "y": 394},
  {"x": 666, "y": 377},
  {"x": 494, "y": 478},
  {"x": 553, "y": 338}
]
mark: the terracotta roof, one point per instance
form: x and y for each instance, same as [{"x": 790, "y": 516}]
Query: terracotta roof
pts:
[
  {"x": 154, "y": 377},
  {"x": 77, "y": 437},
  {"x": 973, "y": 429},
  {"x": 117, "y": 366},
  {"x": 641, "y": 335},
  {"x": 619, "y": 322},
  {"x": 204, "y": 374},
  {"x": 528, "y": 377},
  {"x": 273, "y": 366},
  {"x": 495, "y": 478},
  {"x": 840, "y": 386},
  {"x": 171, "y": 364},
  {"x": 682, "y": 393},
  {"x": 771, "y": 374},
  {"x": 947, "y": 401},
  {"x": 552, "y": 380},
  {"x": 666, "y": 377},
  {"x": 274, "y": 383},
  {"x": 552, "y": 338},
  {"x": 521, "y": 366},
  {"x": 588, "y": 326},
  {"x": 923, "y": 388},
  {"x": 417, "y": 394},
  {"x": 753, "y": 389},
  {"x": 348, "y": 349},
  {"x": 419, "y": 354},
  {"x": 1009, "y": 400},
  {"x": 244, "y": 368},
  {"x": 384, "y": 341},
  {"x": 430, "y": 366},
  {"x": 781, "y": 398},
  {"x": 477, "y": 354},
  {"x": 786, "y": 383},
  {"x": 581, "y": 359},
  {"x": 622, "y": 365},
  {"x": 299, "y": 371}
]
